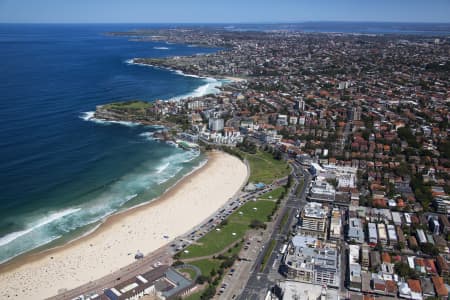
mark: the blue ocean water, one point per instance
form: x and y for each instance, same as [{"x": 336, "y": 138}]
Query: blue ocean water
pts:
[{"x": 58, "y": 172}]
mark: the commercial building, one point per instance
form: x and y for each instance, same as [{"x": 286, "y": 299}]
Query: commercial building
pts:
[
  {"x": 306, "y": 263},
  {"x": 216, "y": 124},
  {"x": 373, "y": 235},
  {"x": 355, "y": 231},
  {"x": 354, "y": 268},
  {"x": 163, "y": 282},
  {"x": 304, "y": 291},
  {"x": 365, "y": 257},
  {"x": 322, "y": 191},
  {"x": 336, "y": 224},
  {"x": 313, "y": 220}
]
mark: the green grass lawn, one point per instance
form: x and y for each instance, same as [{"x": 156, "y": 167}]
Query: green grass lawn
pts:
[
  {"x": 264, "y": 168},
  {"x": 194, "y": 296},
  {"x": 206, "y": 265},
  {"x": 215, "y": 241},
  {"x": 129, "y": 105},
  {"x": 274, "y": 194},
  {"x": 247, "y": 212}
]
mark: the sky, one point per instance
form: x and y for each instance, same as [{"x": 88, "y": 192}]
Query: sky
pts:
[{"x": 223, "y": 11}]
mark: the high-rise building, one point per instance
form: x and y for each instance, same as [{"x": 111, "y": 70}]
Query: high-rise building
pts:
[
  {"x": 300, "y": 105},
  {"x": 356, "y": 113},
  {"x": 314, "y": 219},
  {"x": 216, "y": 124}
]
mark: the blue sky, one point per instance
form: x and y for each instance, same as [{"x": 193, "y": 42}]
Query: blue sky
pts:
[{"x": 213, "y": 11}]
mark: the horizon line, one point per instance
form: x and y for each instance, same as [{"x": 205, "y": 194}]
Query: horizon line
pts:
[{"x": 232, "y": 23}]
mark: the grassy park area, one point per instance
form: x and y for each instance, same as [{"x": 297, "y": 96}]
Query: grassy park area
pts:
[
  {"x": 274, "y": 194},
  {"x": 233, "y": 230},
  {"x": 264, "y": 168},
  {"x": 218, "y": 249},
  {"x": 130, "y": 106}
]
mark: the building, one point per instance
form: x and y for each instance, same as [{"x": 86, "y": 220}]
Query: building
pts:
[
  {"x": 322, "y": 191},
  {"x": 421, "y": 237},
  {"x": 365, "y": 257},
  {"x": 442, "y": 266},
  {"x": 290, "y": 290},
  {"x": 282, "y": 120},
  {"x": 300, "y": 105},
  {"x": 163, "y": 282},
  {"x": 440, "y": 288},
  {"x": 216, "y": 124},
  {"x": 445, "y": 224},
  {"x": 313, "y": 220},
  {"x": 336, "y": 224},
  {"x": 356, "y": 113},
  {"x": 354, "y": 269},
  {"x": 306, "y": 263},
  {"x": 373, "y": 235},
  {"x": 396, "y": 218},
  {"x": 382, "y": 235},
  {"x": 393, "y": 240},
  {"x": 355, "y": 231},
  {"x": 434, "y": 225},
  {"x": 442, "y": 205}
]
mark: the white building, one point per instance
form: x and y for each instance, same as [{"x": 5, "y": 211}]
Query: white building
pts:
[{"x": 216, "y": 124}]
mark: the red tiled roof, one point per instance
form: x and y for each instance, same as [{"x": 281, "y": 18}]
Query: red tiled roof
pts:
[
  {"x": 439, "y": 285},
  {"x": 385, "y": 257},
  {"x": 391, "y": 287},
  {"x": 414, "y": 285}
]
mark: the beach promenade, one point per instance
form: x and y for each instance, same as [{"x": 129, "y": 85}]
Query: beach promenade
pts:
[{"x": 112, "y": 247}]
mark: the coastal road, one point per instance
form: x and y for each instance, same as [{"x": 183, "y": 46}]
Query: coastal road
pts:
[
  {"x": 159, "y": 257},
  {"x": 261, "y": 281}
]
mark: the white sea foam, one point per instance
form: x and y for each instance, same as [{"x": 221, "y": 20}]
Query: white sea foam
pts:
[
  {"x": 161, "y": 48},
  {"x": 41, "y": 243},
  {"x": 140, "y": 182},
  {"x": 211, "y": 85},
  {"x": 162, "y": 168},
  {"x": 148, "y": 136},
  {"x": 89, "y": 116},
  {"x": 39, "y": 223}
]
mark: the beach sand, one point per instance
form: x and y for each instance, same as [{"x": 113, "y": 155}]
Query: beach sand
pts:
[
  {"x": 113, "y": 245},
  {"x": 234, "y": 79}
]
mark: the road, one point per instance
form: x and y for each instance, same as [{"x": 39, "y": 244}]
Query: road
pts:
[{"x": 260, "y": 281}]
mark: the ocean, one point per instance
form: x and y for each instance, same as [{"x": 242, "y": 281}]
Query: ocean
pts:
[{"x": 61, "y": 174}]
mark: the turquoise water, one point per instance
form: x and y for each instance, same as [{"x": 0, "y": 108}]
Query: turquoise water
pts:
[{"x": 61, "y": 174}]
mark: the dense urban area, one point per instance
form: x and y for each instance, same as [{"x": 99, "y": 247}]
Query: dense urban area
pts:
[{"x": 346, "y": 137}]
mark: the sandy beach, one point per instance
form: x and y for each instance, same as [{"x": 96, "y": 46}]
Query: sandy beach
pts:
[
  {"x": 114, "y": 243},
  {"x": 234, "y": 79}
]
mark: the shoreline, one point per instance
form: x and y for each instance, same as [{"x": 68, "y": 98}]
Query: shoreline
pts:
[
  {"x": 41, "y": 250},
  {"x": 44, "y": 269},
  {"x": 233, "y": 79}
]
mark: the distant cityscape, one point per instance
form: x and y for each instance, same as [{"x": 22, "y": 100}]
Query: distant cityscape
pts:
[{"x": 363, "y": 120}]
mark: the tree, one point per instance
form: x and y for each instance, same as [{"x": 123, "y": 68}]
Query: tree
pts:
[
  {"x": 430, "y": 249},
  {"x": 277, "y": 155},
  {"x": 402, "y": 269},
  {"x": 201, "y": 279},
  {"x": 256, "y": 224}
]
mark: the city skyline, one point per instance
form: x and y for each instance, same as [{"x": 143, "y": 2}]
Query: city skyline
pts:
[{"x": 175, "y": 11}]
